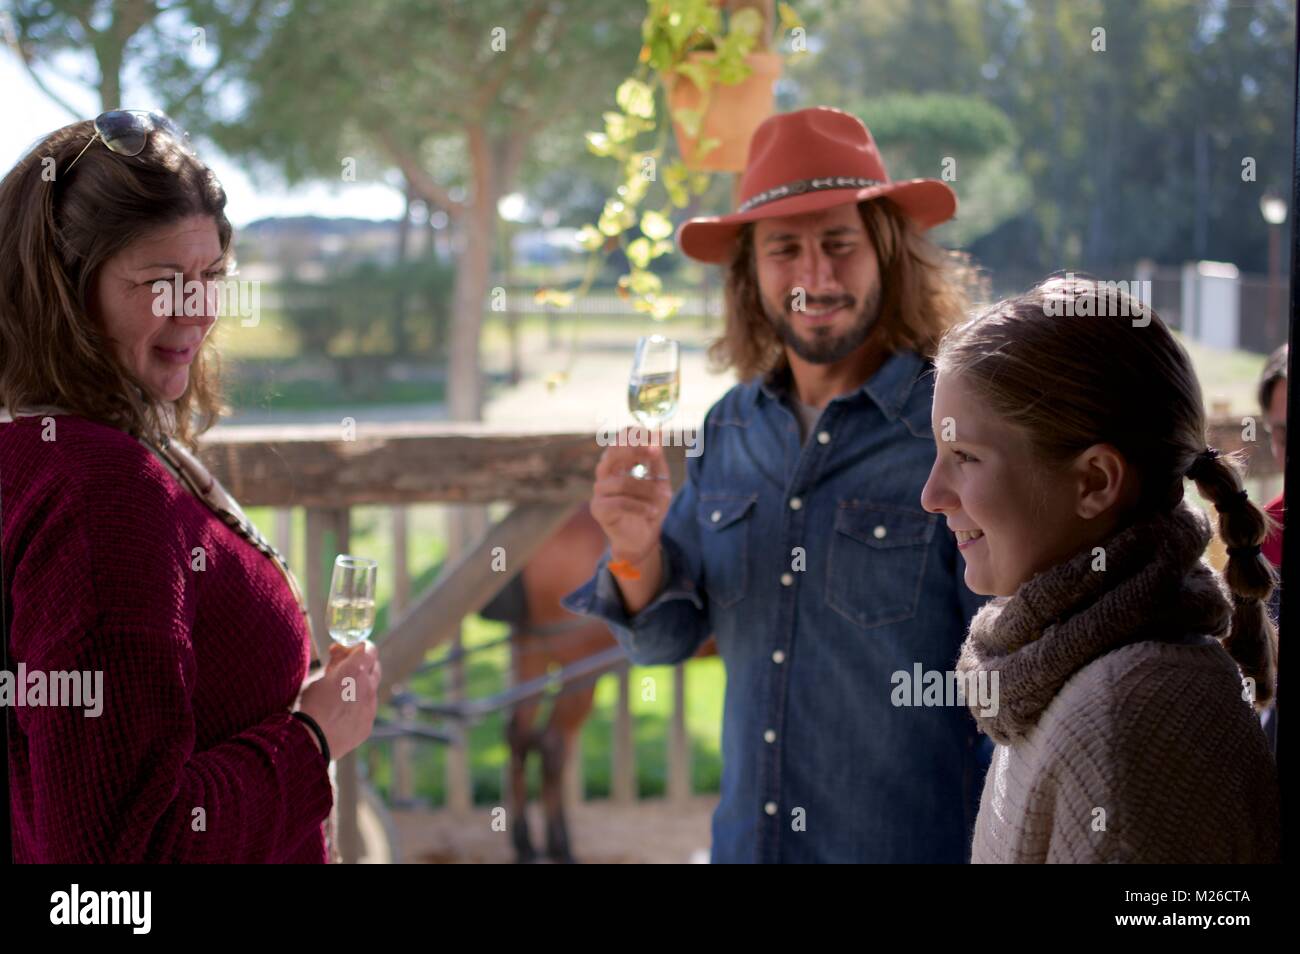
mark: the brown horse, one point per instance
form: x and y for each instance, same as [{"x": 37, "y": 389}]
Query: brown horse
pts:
[{"x": 544, "y": 634}]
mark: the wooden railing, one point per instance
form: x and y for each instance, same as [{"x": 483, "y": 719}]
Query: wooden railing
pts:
[{"x": 329, "y": 469}]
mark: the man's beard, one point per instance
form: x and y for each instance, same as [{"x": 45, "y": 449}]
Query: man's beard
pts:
[{"x": 825, "y": 346}]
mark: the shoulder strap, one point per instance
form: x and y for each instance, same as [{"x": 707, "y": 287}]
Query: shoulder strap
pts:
[{"x": 189, "y": 471}]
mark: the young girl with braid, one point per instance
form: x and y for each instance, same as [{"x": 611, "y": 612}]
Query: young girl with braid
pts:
[{"x": 1069, "y": 419}]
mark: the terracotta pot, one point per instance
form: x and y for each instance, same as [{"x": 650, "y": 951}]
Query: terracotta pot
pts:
[{"x": 733, "y": 114}]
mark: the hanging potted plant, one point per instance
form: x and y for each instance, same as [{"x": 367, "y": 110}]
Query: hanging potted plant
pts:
[
  {"x": 719, "y": 75},
  {"x": 714, "y": 67}
]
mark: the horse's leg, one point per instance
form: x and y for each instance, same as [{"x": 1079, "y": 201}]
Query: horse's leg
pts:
[
  {"x": 559, "y": 744},
  {"x": 525, "y": 664},
  {"x": 522, "y": 737}
]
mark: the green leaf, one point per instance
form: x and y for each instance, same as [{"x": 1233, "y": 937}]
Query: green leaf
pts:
[
  {"x": 638, "y": 252},
  {"x": 633, "y": 190},
  {"x": 661, "y": 53},
  {"x": 698, "y": 73},
  {"x": 599, "y": 144},
  {"x": 706, "y": 146},
  {"x": 666, "y": 307},
  {"x": 789, "y": 19},
  {"x": 656, "y": 226},
  {"x": 645, "y": 283},
  {"x": 616, "y": 218},
  {"x": 589, "y": 238},
  {"x": 690, "y": 120},
  {"x": 732, "y": 68},
  {"x": 675, "y": 178},
  {"x": 748, "y": 22},
  {"x": 550, "y": 296},
  {"x": 659, "y": 307},
  {"x": 619, "y": 128},
  {"x": 636, "y": 98}
]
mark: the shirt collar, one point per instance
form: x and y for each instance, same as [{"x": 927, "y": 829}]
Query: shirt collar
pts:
[{"x": 889, "y": 387}]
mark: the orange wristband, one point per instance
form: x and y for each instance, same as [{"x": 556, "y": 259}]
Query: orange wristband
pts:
[{"x": 624, "y": 570}]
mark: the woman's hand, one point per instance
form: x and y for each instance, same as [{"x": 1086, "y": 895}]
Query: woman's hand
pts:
[{"x": 345, "y": 710}]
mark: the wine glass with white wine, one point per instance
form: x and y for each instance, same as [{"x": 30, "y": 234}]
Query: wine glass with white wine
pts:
[
  {"x": 653, "y": 386},
  {"x": 352, "y": 599}
]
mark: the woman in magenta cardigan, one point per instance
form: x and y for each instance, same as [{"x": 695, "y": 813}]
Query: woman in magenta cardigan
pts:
[{"x": 123, "y": 561}]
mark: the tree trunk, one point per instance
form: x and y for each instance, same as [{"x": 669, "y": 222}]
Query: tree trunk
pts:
[
  {"x": 473, "y": 273},
  {"x": 400, "y": 344},
  {"x": 109, "y": 57}
]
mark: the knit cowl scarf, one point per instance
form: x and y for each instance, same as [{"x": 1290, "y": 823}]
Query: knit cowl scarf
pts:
[{"x": 1155, "y": 586}]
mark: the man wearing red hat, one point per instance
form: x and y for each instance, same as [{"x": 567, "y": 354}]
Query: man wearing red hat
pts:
[{"x": 798, "y": 539}]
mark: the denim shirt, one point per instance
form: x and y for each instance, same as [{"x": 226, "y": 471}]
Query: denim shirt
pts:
[{"x": 821, "y": 576}]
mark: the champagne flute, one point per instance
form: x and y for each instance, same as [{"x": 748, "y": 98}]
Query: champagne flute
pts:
[
  {"x": 352, "y": 599},
  {"x": 653, "y": 386}
]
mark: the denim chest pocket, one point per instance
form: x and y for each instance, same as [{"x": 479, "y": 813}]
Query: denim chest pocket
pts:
[
  {"x": 724, "y": 544},
  {"x": 877, "y": 562}
]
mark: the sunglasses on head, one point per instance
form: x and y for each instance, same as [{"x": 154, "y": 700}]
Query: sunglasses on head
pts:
[{"x": 126, "y": 131}]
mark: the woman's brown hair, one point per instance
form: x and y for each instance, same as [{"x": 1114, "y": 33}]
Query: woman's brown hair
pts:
[
  {"x": 924, "y": 290},
  {"x": 58, "y": 226},
  {"x": 1073, "y": 363}
]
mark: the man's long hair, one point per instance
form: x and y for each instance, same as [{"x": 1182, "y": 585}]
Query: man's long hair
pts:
[{"x": 925, "y": 290}]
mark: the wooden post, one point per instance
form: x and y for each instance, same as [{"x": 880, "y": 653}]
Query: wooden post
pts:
[
  {"x": 317, "y": 578},
  {"x": 623, "y": 790},
  {"x": 459, "y": 777},
  {"x": 403, "y": 782},
  {"x": 284, "y": 532},
  {"x": 327, "y": 536},
  {"x": 679, "y": 742},
  {"x": 401, "y": 574}
]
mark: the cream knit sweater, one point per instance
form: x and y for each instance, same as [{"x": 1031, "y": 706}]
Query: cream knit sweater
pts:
[{"x": 1122, "y": 731}]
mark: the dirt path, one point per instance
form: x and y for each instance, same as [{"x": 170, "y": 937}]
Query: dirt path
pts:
[{"x": 651, "y": 831}]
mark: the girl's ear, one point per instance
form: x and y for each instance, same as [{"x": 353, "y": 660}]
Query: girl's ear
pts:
[{"x": 1103, "y": 478}]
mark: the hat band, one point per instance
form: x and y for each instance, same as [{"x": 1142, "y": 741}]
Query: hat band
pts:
[{"x": 804, "y": 186}]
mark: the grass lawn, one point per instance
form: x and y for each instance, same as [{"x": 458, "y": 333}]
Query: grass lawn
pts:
[{"x": 1231, "y": 376}]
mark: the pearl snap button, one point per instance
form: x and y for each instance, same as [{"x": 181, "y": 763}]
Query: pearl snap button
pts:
[
  {"x": 769, "y": 736},
  {"x": 770, "y": 808},
  {"x": 795, "y": 503},
  {"x": 786, "y": 579},
  {"x": 879, "y": 532},
  {"x": 715, "y": 516},
  {"x": 823, "y": 438},
  {"x": 778, "y": 657}
]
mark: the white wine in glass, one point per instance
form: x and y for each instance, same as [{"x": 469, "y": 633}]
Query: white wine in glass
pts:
[
  {"x": 653, "y": 386},
  {"x": 352, "y": 599}
]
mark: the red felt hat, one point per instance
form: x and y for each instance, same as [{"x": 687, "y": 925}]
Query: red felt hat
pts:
[{"x": 809, "y": 160}]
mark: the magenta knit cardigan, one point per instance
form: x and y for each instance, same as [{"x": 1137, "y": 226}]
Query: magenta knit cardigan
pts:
[{"x": 194, "y": 757}]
